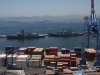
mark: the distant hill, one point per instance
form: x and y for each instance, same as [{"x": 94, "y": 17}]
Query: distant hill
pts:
[{"x": 49, "y": 18}]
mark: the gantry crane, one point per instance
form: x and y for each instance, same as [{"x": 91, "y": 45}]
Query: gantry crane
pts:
[
  {"x": 92, "y": 26},
  {"x": 11, "y": 49}
]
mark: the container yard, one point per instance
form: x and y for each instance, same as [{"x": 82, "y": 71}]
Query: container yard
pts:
[
  {"x": 33, "y": 60},
  {"x": 48, "y": 61}
]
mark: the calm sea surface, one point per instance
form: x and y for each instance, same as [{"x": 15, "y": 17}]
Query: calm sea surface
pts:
[{"x": 60, "y": 42}]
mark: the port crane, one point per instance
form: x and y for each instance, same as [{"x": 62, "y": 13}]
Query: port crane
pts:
[
  {"x": 92, "y": 27},
  {"x": 10, "y": 51}
]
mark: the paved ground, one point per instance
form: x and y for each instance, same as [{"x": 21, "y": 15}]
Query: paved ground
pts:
[{"x": 15, "y": 72}]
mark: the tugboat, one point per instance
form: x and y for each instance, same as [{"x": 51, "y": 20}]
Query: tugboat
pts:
[
  {"x": 24, "y": 35},
  {"x": 67, "y": 32}
]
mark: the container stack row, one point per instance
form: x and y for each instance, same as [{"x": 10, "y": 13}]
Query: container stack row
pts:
[
  {"x": 9, "y": 59},
  {"x": 63, "y": 59},
  {"x": 35, "y": 61},
  {"x": 59, "y": 66},
  {"x": 73, "y": 59},
  {"x": 90, "y": 53},
  {"x": 39, "y": 51},
  {"x": 22, "y": 61},
  {"x": 52, "y": 51}
]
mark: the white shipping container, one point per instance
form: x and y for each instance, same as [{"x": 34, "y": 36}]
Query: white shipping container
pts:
[
  {"x": 34, "y": 63},
  {"x": 23, "y": 57},
  {"x": 21, "y": 64}
]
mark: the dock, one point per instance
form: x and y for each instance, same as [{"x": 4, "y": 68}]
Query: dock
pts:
[{"x": 4, "y": 36}]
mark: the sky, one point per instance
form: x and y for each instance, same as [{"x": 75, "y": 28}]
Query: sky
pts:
[{"x": 30, "y": 8}]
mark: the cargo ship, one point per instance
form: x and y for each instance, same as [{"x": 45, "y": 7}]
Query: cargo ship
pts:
[
  {"x": 24, "y": 35},
  {"x": 65, "y": 33}
]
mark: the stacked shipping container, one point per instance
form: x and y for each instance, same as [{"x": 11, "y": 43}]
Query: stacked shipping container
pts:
[
  {"x": 35, "y": 61},
  {"x": 22, "y": 50},
  {"x": 52, "y": 51},
  {"x": 9, "y": 57},
  {"x": 57, "y": 58},
  {"x": 90, "y": 53},
  {"x": 63, "y": 50},
  {"x": 22, "y": 61},
  {"x": 73, "y": 59},
  {"x": 39, "y": 51},
  {"x": 30, "y": 50},
  {"x": 52, "y": 58},
  {"x": 65, "y": 58},
  {"x": 47, "y": 60}
]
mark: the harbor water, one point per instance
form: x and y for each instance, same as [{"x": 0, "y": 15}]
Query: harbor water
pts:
[{"x": 43, "y": 28}]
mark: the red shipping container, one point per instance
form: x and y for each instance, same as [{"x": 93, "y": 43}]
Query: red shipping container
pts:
[
  {"x": 59, "y": 65},
  {"x": 30, "y": 49},
  {"x": 46, "y": 63},
  {"x": 63, "y": 50},
  {"x": 73, "y": 54},
  {"x": 65, "y": 63},
  {"x": 65, "y": 57},
  {"x": 73, "y": 58},
  {"x": 73, "y": 62},
  {"x": 57, "y": 58},
  {"x": 53, "y": 53},
  {"x": 53, "y": 49}
]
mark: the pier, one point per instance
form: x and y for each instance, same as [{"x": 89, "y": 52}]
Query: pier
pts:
[{"x": 2, "y": 36}]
